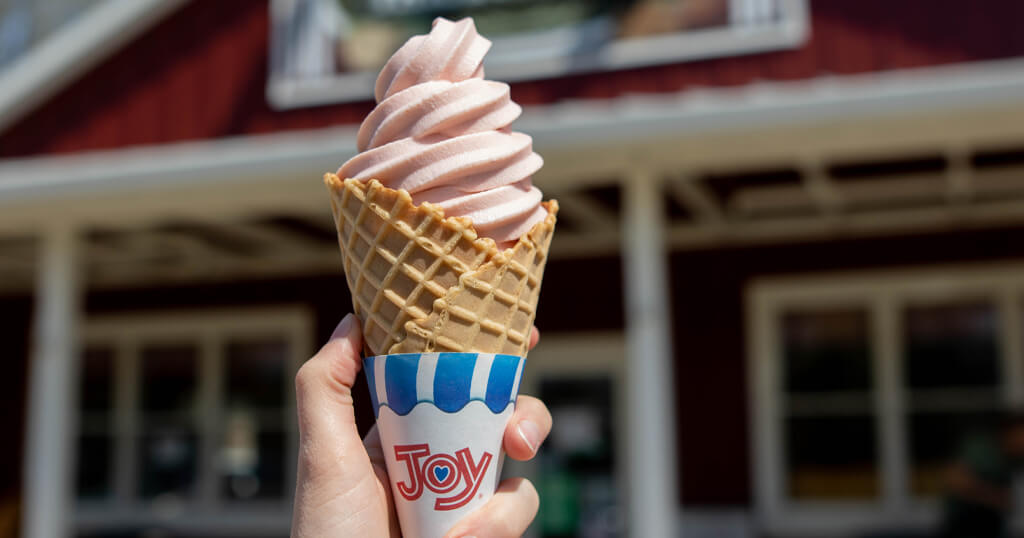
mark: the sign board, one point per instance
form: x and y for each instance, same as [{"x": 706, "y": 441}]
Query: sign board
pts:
[{"x": 325, "y": 51}]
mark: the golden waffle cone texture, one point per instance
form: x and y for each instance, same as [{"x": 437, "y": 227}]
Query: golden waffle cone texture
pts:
[{"x": 421, "y": 282}]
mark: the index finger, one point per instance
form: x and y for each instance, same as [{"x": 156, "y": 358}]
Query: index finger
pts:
[{"x": 529, "y": 426}]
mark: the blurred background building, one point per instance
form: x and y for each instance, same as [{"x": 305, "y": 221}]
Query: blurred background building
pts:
[{"x": 788, "y": 274}]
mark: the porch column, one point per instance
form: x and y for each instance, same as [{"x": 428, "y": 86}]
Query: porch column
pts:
[
  {"x": 47, "y": 502},
  {"x": 653, "y": 490}
]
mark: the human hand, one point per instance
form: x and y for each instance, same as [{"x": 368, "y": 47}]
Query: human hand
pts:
[{"x": 343, "y": 487}]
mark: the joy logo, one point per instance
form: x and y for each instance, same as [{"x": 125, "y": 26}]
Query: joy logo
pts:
[{"x": 441, "y": 474}]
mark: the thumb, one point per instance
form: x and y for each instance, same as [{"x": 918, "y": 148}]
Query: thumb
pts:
[{"x": 323, "y": 392}]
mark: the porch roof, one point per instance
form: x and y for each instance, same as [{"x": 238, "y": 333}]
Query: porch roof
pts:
[{"x": 851, "y": 155}]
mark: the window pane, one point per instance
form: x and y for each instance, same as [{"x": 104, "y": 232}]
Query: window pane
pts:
[
  {"x": 94, "y": 443},
  {"x": 256, "y": 373},
  {"x": 168, "y": 460},
  {"x": 832, "y": 458},
  {"x": 168, "y": 444},
  {"x": 95, "y": 390},
  {"x": 951, "y": 345},
  {"x": 577, "y": 463},
  {"x": 937, "y": 439},
  {"x": 169, "y": 378},
  {"x": 826, "y": 351},
  {"x": 253, "y": 455},
  {"x": 93, "y": 469},
  {"x": 252, "y": 461}
]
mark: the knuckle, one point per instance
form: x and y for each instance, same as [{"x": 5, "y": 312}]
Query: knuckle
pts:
[
  {"x": 520, "y": 511},
  {"x": 317, "y": 460},
  {"x": 525, "y": 400},
  {"x": 536, "y": 409},
  {"x": 306, "y": 375},
  {"x": 528, "y": 405},
  {"x": 530, "y": 496}
]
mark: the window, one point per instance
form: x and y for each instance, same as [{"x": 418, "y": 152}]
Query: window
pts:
[
  {"x": 576, "y": 477},
  {"x": 188, "y": 421},
  {"x": 829, "y": 422},
  {"x": 331, "y": 50},
  {"x": 96, "y": 428},
  {"x": 864, "y": 387},
  {"x": 579, "y": 471},
  {"x": 952, "y": 377}
]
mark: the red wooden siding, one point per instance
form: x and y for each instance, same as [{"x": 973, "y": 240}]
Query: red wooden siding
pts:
[{"x": 201, "y": 72}]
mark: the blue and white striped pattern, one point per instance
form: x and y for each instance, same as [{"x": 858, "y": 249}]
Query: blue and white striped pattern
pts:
[{"x": 447, "y": 380}]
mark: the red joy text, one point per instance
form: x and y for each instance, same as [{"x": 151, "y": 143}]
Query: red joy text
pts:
[{"x": 455, "y": 479}]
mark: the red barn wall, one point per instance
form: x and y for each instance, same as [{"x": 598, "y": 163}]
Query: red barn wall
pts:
[{"x": 201, "y": 72}]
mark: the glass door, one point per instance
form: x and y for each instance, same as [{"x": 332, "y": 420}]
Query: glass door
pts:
[{"x": 578, "y": 472}]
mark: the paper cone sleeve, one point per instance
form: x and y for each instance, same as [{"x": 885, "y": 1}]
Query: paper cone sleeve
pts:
[{"x": 441, "y": 419}]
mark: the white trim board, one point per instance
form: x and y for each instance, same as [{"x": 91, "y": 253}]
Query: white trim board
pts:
[
  {"x": 581, "y": 141},
  {"x": 51, "y": 65},
  {"x": 716, "y": 522}
]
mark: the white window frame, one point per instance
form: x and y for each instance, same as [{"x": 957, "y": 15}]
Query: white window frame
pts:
[
  {"x": 513, "y": 58},
  {"x": 209, "y": 329},
  {"x": 883, "y": 294}
]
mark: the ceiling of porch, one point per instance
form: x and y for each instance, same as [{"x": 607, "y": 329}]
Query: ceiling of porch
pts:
[{"x": 715, "y": 207}]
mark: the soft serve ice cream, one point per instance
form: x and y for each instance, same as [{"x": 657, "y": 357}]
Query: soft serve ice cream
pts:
[
  {"x": 441, "y": 133},
  {"x": 439, "y": 182}
]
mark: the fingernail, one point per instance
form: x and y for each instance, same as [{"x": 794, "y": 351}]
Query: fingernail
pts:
[
  {"x": 343, "y": 328},
  {"x": 530, "y": 433}
]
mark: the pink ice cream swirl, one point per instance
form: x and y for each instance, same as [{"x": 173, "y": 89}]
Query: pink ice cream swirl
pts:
[{"x": 441, "y": 132}]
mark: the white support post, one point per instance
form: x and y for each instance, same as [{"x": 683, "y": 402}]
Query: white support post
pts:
[
  {"x": 652, "y": 458},
  {"x": 53, "y": 371},
  {"x": 890, "y": 407},
  {"x": 1007, "y": 301}
]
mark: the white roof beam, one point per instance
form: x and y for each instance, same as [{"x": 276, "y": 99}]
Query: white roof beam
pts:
[
  {"x": 53, "y": 64},
  {"x": 590, "y": 214},
  {"x": 697, "y": 199},
  {"x": 820, "y": 187}
]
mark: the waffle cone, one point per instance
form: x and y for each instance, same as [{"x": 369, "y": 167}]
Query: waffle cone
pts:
[{"x": 422, "y": 282}]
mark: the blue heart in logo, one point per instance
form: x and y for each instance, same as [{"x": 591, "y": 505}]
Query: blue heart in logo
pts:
[{"x": 440, "y": 473}]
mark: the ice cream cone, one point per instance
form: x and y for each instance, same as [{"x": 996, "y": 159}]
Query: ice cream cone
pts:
[
  {"x": 445, "y": 312},
  {"x": 441, "y": 418},
  {"x": 422, "y": 282}
]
